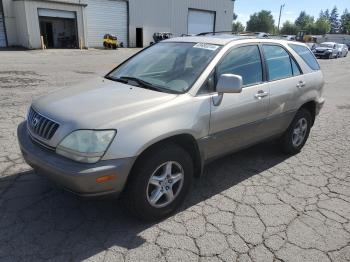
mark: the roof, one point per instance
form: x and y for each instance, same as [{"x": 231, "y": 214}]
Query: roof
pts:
[{"x": 224, "y": 39}]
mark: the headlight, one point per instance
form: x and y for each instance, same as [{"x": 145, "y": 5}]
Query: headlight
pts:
[{"x": 86, "y": 146}]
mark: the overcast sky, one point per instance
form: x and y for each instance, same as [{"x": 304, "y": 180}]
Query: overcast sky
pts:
[{"x": 292, "y": 9}]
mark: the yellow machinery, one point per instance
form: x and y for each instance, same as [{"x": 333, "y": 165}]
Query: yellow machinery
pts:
[
  {"x": 305, "y": 36},
  {"x": 110, "y": 41}
]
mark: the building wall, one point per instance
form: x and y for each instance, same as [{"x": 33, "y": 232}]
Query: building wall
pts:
[
  {"x": 22, "y": 23},
  {"x": 171, "y": 16},
  {"x": 31, "y": 8},
  {"x": 10, "y": 21}
]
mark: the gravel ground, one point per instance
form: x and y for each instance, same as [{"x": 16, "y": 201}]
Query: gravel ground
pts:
[{"x": 255, "y": 205}]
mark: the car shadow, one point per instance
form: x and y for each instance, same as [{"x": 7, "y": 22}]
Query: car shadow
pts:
[{"x": 37, "y": 219}]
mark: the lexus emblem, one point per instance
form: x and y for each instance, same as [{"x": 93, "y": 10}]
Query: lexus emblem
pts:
[{"x": 35, "y": 122}]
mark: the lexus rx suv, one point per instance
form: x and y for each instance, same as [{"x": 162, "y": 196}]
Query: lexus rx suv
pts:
[{"x": 148, "y": 127}]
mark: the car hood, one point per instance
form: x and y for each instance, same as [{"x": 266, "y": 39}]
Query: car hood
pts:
[{"x": 100, "y": 103}]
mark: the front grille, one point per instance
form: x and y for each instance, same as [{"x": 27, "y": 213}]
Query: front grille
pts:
[{"x": 40, "y": 125}]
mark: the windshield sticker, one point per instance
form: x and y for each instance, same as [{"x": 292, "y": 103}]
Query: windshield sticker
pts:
[{"x": 206, "y": 46}]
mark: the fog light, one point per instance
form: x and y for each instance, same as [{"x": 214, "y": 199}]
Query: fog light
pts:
[{"x": 103, "y": 179}]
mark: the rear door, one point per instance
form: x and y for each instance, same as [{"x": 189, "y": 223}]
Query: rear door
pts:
[
  {"x": 239, "y": 119},
  {"x": 285, "y": 79}
]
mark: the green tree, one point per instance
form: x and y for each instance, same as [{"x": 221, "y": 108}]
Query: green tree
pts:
[
  {"x": 237, "y": 27},
  {"x": 322, "y": 26},
  {"x": 261, "y": 22},
  {"x": 334, "y": 19},
  {"x": 289, "y": 28},
  {"x": 345, "y": 22},
  {"x": 304, "y": 21},
  {"x": 326, "y": 14}
]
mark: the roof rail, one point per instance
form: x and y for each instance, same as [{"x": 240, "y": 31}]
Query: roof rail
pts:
[
  {"x": 214, "y": 33},
  {"x": 251, "y": 34}
]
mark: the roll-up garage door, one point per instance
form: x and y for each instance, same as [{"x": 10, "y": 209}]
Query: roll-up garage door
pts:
[
  {"x": 106, "y": 17},
  {"x": 2, "y": 31},
  {"x": 200, "y": 21}
]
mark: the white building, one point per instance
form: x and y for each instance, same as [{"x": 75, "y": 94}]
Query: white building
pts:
[{"x": 67, "y": 23}]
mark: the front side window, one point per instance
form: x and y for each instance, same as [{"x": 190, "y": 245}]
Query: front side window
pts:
[
  {"x": 278, "y": 61},
  {"x": 168, "y": 67},
  {"x": 244, "y": 61},
  {"x": 306, "y": 55}
]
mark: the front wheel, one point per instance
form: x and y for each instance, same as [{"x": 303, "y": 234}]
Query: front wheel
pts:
[
  {"x": 297, "y": 133},
  {"x": 159, "y": 182}
]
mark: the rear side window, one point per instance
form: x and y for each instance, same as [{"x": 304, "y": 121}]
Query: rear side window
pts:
[
  {"x": 278, "y": 62},
  {"x": 244, "y": 61},
  {"x": 306, "y": 55},
  {"x": 296, "y": 70}
]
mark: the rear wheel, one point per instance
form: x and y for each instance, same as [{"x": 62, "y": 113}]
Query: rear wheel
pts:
[
  {"x": 159, "y": 183},
  {"x": 297, "y": 133}
]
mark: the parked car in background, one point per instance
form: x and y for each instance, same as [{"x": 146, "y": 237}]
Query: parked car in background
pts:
[
  {"x": 261, "y": 34},
  {"x": 326, "y": 50},
  {"x": 148, "y": 127},
  {"x": 289, "y": 37},
  {"x": 342, "y": 50}
]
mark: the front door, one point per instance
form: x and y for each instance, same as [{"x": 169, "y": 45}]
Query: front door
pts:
[{"x": 239, "y": 119}]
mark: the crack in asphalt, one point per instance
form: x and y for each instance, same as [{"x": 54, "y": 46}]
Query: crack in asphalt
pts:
[{"x": 255, "y": 205}]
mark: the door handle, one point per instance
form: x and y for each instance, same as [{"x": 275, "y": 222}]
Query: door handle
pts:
[
  {"x": 261, "y": 94},
  {"x": 301, "y": 84}
]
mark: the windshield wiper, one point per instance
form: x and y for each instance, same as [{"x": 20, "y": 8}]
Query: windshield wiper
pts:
[
  {"x": 116, "y": 79},
  {"x": 141, "y": 83},
  {"x": 145, "y": 84}
]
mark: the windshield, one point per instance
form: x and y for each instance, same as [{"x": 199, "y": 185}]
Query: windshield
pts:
[
  {"x": 168, "y": 67},
  {"x": 327, "y": 45}
]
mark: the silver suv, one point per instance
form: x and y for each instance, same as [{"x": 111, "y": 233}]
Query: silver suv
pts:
[{"x": 147, "y": 128}]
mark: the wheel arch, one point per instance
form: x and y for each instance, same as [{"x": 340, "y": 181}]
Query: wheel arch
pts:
[
  {"x": 311, "y": 107},
  {"x": 186, "y": 141}
]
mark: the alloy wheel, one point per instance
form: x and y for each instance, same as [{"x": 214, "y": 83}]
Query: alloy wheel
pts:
[
  {"x": 165, "y": 184},
  {"x": 299, "y": 132}
]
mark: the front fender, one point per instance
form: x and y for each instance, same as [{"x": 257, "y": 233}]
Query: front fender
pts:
[{"x": 186, "y": 115}]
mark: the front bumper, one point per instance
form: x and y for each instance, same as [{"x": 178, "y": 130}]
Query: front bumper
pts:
[{"x": 79, "y": 178}]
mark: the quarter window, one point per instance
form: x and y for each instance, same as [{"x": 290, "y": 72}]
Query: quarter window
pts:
[
  {"x": 295, "y": 68},
  {"x": 244, "y": 61},
  {"x": 306, "y": 55}
]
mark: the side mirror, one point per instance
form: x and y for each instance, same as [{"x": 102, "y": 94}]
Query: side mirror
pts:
[{"x": 229, "y": 83}]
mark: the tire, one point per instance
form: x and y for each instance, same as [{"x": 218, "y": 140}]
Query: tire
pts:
[
  {"x": 289, "y": 144},
  {"x": 330, "y": 56},
  {"x": 139, "y": 190}
]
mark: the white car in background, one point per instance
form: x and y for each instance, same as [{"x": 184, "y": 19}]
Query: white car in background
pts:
[{"x": 342, "y": 50}]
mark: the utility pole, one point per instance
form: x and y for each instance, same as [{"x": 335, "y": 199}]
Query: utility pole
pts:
[{"x": 279, "y": 19}]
